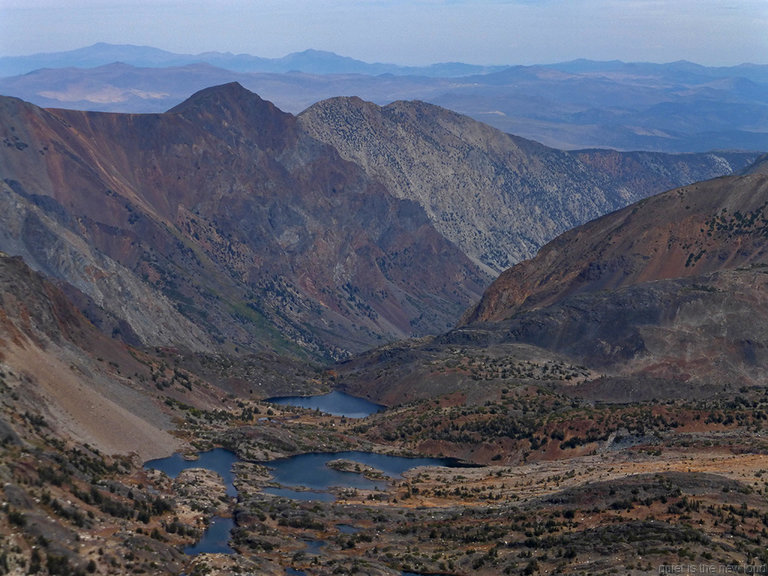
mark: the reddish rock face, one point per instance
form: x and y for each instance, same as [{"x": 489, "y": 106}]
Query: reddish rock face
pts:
[
  {"x": 256, "y": 232},
  {"x": 707, "y": 227},
  {"x": 664, "y": 299}
]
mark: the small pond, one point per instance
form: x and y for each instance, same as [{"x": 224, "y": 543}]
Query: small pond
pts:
[
  {"x": 218, "y": 460},
  {"x": 347, "y": 529},
  {"x": 215, "y": 539},
  {"x": 334, "y": 403}
]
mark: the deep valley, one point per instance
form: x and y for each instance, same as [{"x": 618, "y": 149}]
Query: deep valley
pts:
[{"x": 580, "y": 337}]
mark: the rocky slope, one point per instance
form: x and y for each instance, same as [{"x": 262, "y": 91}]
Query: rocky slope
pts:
[
  {"x": 688, "y": 232},
  {"x": 498, "y": 197},
  {"x": 228, "y": 224},
  {"x": 221, "y": 220},
  {"x": 663, "y": 299},
  {"x": 669, "y": 290},
  {"x": 59, "y": 369}
]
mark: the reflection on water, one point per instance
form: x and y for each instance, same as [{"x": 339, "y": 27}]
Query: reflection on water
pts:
[
  {"x": 335, "y": 403},
  {"x": 313, "y": 546}
]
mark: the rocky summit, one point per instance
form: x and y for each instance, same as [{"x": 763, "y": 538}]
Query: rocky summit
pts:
[{"x": 223, "y": 221}]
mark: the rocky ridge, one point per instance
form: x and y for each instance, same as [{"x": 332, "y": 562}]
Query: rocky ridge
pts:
[
  {"x": 496, "y": 196},
  {"x": 226, "y": 224}
]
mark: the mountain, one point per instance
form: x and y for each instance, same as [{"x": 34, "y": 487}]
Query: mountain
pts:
[
  {"x": 496, "y": 196},
  {"x": 662, "y": 299},
  {"x": 688, "y": 232},
  {"x": 226, "y": 223},
  {"x": 222, "y": 221},
  {"x": 674, "y": 107},
  {"x": 668, "y": 290}
]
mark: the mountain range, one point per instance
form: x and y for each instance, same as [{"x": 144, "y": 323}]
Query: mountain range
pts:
[
  {"x": 584, "y": 330},
  {"x": 308, "y": 61},
  {"x": 226, "y": 222},
  {"x": 674, "y": 107}
]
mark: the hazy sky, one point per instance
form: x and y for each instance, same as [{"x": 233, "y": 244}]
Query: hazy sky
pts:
[{"x": 714, "y": 32}]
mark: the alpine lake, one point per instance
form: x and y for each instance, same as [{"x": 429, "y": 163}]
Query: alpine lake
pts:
[{"x": 306, "y": 477}]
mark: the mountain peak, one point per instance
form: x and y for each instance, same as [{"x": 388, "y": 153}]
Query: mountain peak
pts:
[
  {"x": 232, "y": 108},
  {"x": 223, "y": 95}
]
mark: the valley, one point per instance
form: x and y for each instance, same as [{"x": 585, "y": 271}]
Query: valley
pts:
[
  {"x": 578, "y": 338},
  {"x": 575, "y": 487}
]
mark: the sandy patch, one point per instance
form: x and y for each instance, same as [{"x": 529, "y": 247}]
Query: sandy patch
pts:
[{"x": 91, "y": 407}]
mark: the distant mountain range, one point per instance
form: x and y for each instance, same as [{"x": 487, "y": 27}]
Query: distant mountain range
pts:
[
  {"x": 308, "y": 61},
  {"x": 675, "y": 107},
  {"x": 227, "y": 223}
]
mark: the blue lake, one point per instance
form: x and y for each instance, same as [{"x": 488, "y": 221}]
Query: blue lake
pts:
[
  {"x": 215, "y": 540},
  {"x": 334, "y": 403},
  {"x": 218, "y": 460},
  {"x": 311, "y": 470}
]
